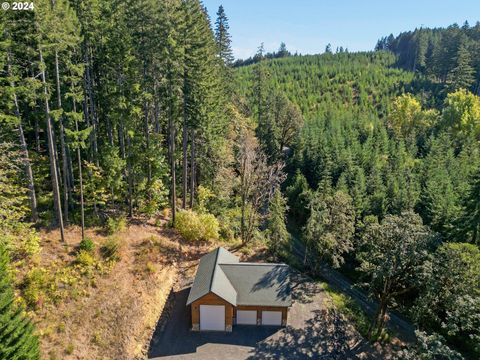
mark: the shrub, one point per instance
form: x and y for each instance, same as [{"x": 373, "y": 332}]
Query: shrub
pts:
[
  {"x": 188, "y": 225},
  {"x": 35, "y": 286},
  {"x": 211, "y": 227},
  {"x": 85, "y": 258},
  {"x": 155, "y": 198},
  {"x": 87, "y": 245},
  {"x": 111, "y": 249},
  {"x": 193, "y": 226},
  {"x": 116, "y": 225}
]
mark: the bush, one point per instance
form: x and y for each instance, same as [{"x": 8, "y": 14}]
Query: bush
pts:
[
  {"x": 116, "y": 225},
  {"x": 35, "y": 286},
  {"x": 85, "y": 258},
  {"x": 87, "y": 245},
  {"x": 211, "y": 227},
  {"x": 111, "y": 249},
  {"x": 197, "y": 227}
]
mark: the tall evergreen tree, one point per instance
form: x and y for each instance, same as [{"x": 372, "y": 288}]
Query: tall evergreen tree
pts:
[
  {"x": 470, "y": 219},
  {"x": 463, "y": 74},
  {"x": 223, "y": 38}
]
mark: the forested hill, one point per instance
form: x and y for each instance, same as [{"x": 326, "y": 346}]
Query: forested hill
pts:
[
  {"x": 317, "y": 83},
  {"x": 446, "y": 55}
]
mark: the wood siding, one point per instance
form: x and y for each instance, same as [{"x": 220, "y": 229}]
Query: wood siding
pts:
[
  {"x": 231, "y": 311},
  {"x": 211, "y": 299}
]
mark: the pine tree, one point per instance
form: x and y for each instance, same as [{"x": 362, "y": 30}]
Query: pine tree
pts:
[
  {"x": 470, "y": 220},
  {"x": 223, "y": 38},
  {"x": 16, "y": 332},
  {"x": 463, "y": 74}
]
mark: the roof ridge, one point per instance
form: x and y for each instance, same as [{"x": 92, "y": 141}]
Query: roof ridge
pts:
[
  {"x": 217, "y": 250},
  {"x": 254, "y": 264}
]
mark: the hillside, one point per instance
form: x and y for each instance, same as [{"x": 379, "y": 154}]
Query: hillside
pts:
[{"x": 316, "y": 83}]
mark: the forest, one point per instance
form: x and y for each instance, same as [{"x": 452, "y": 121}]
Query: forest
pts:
[{"x": 112, "y": 112}]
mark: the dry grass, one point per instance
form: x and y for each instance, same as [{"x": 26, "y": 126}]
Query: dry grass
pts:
[{"x": 111, "y": 312}]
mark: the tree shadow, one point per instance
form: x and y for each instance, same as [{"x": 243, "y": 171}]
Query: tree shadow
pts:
[
  {"x": 327, "y": 335},
  {"x": 303, "y": 288},
  {"x": 173, "y": 336}
]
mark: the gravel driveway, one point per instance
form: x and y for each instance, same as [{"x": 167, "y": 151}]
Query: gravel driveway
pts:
[{"x": 313, "y": 332}]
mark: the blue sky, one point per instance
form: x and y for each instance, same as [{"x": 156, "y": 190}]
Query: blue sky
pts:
[{"x": 307, "y": 26}]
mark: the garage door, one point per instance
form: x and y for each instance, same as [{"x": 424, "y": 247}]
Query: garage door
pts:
[
  {"x": 247, "y": 317},
  {"x": 272, "y": 318},
  {"x": 212, "y": 317}
]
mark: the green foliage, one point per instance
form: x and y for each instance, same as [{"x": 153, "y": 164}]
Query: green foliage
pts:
[
  {"x": 16, "y": 331},
  {"x": 349, "y": 308},
  {"x": 204, "y": 195},
  {"x": 446, "y": 56},
  {"x": 193, "y": 226},
  {"x": 470, "y": 217},
  {"x": 429, "y": 347},
  {"x": 37, "y": 287},
  {"x": 391, "y": 254},
  {"x": 115, "y": 225},
  {"x": 87, "y": 245},
  {"x": 330, "y": 227},
  {"x": 277, "y": 234},
  {"x": 298, "y": 193},
  {"x": 449, "y": 301}
]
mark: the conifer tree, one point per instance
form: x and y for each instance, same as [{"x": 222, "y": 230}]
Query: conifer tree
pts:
[
  {"x": 17, "y": 340},
  {"x": 463, "y": 74},
  {"x": 470, "y": 220},
  {"x": 223, "y": 38}
]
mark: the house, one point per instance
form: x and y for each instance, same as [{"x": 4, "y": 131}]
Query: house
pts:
[{"x": 227, "y": 292}]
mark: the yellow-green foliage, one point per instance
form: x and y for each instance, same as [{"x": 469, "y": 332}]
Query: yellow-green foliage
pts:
[
  {"x": 204, "y": 194},
  {"x": 37, "y": 286},
  {"x": 116, "y": 225},
  {"x": 211, "y": 227},
  {"x": 193, "y": 226},
  {"x": 85, "y": 258}
]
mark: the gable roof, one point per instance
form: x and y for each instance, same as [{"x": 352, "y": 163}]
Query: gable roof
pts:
[
  {"x": 210, "y": 279},
  {"x": 221, "y": 273}
]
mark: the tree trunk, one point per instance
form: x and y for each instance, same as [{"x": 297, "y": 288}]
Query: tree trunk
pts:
[
  {"x": 173, "y": 189},
  {"x": 91, "y": 103},
  {"x": 130, "y": 177},
  {"x": 80, "y": 178},
  {"x": 51, "y": 151},
  {"x": 185, "y": 157},
  {"x": 26, "y": 159},
  {"x": 192, "y": 170},
  {"x": 62, "y": 143}
]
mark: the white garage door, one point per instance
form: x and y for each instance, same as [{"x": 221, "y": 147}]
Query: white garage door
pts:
[
  {"x": 212, "y": 317},
  {"x": 272, "y": 318},
  {"x": 247, "y": 317}
]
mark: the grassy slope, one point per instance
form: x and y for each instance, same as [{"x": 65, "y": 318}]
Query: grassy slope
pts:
[{"x": 106, "y": 310}]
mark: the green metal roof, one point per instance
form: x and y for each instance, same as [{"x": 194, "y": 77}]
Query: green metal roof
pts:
[{"x": 221, "y": 273}]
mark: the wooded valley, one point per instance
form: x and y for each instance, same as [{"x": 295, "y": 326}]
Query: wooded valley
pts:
[{"x": 135, "y": 111}]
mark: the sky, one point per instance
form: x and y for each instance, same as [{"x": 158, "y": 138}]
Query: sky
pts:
[{"x": 307, "y": 26}]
